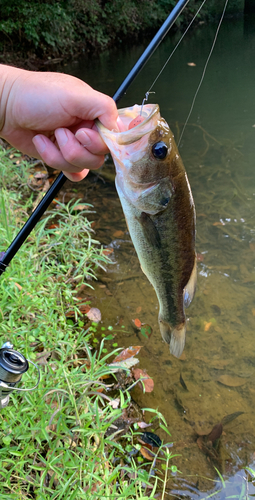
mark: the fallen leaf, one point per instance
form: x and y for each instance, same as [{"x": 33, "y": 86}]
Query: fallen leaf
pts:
[
  {"x": 147, "y": 381},
  {"x": 18, "y": 286},
  {"x": 253, "y": 311},
  {"x": 126, "y": 364},
  {"x": 252, "y": 246},
  {"x": 84, "y": 309},
  {"x": 143, "y": 425},
  {"x": 94, "y": 314},
  {"x": 146, "y": 330},
  {"x": 107, "y": 251},
  {"x": 147, "y": 453},
  {"x": 127, "y": 353},
  {"x": 151, "y": 439},
  {"x": 231, "y": 380},
  {"x": 229, "y": 418},
  {"x": 138, "y": 309},
  {"x": 118, "y": 234},
  {"x": 137, "y": 323},
  {"x": 53, "y": 226},
  {"x": 183, "y": 383},
  {"x": 207, "y": 326},
  {"x": 70, "y": 314},
  {"x": 218, "y": 223},
  {"x": 81, "y": 206},
  {"x": 115, "y": 403},
  {"x": 41, "y": 359},
  {"x": 215, "y": 433}
]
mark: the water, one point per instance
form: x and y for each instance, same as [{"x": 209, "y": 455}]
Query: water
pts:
[{"x": 218, "y": 150}]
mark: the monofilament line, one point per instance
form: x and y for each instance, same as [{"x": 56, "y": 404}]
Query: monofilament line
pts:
[
  {"x": 177, "y": 45},
  {"x": 204, "y": 70}
]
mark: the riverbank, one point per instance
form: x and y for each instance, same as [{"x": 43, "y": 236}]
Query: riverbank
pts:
[
  {"x": 79, "y": 434},
  {"x": 38, "y": 36}
]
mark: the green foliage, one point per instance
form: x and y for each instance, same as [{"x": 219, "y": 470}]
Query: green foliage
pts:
[
  {"x": 57, "y": 441},
  {"x": 62, "y": 27}
]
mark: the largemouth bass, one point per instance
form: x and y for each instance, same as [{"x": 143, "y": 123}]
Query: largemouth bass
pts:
[{"x": 156, "y": 198}]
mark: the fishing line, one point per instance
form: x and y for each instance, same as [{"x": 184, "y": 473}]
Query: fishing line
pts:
[
  {"x": 204, "y": 70},
  {"x": 172, "y": 53}
]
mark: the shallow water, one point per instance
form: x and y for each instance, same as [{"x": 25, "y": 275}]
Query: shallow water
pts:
[{"x": 218, "y": 150}]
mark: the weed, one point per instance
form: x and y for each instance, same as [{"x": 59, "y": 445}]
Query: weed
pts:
[{"x": 57, "y": 442}]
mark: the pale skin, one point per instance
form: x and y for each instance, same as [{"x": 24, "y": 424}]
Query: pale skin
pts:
[{"x": 50, "y": 116}]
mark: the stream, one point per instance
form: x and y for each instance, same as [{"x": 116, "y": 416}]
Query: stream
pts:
[{"x": 218, "y": 151}]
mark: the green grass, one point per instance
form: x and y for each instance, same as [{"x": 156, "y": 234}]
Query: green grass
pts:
[{"x": 55, "y": 441}]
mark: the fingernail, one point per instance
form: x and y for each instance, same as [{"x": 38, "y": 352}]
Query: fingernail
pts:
[
  {"x": 39, "y": 143},
  {"x": 62, "y": 137},
  {"x": 83, "y": 138}
]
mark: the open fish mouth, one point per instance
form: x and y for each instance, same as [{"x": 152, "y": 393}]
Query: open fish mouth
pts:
[{"x": 136, "y": 137}]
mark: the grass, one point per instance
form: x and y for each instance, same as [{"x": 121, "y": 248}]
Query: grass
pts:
[{"x": 57, "y": 442}]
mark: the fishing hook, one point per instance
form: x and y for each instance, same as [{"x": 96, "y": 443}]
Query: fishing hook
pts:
[{"x": 145, "y": 100}]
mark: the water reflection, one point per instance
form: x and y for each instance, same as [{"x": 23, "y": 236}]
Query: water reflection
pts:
[{"x": 218, "y": 150}]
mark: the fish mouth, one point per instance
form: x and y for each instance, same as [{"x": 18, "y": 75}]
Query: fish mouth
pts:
[{"x": 150, "y": 114}]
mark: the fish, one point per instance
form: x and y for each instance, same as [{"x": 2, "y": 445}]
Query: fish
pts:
[{"x": 157, "y": 202}]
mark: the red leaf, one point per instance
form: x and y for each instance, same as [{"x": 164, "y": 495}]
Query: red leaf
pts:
[
  {"x": 147, "y": 381},
  {"x": 147, "y": 453},
  {"x": 107, "y": 251},
  {"x": 84, "y": 308},
  {"x": 137, "y": 323},
  {"x": 127, "y": 353}
]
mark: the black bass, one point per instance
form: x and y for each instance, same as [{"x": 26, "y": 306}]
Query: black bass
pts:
[{"x": 158, "y": 205}]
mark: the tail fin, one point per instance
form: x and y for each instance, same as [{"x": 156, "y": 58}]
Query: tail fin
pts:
[
  {"x": 178, "y": 340},
  {"x": 175, "y": 337}
]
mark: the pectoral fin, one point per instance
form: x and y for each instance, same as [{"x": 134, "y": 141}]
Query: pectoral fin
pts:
[{"x": 149, "y": 230}]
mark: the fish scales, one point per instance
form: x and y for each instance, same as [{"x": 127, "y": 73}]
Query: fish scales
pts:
[{"x": 156, "y": 198}]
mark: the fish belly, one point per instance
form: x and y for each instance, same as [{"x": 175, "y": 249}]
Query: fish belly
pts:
[{"x": 167, "y": 261}]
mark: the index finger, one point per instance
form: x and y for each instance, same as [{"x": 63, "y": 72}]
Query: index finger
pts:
[{"x": 98, "y": 105}]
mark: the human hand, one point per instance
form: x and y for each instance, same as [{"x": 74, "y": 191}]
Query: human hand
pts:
[{"x": 51, "y": 116}]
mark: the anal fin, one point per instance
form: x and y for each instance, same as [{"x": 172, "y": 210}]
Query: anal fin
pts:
[{"x": 190, "y": 288}]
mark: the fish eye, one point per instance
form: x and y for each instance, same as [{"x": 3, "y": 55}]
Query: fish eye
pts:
[{"x": 159, "y": 150}]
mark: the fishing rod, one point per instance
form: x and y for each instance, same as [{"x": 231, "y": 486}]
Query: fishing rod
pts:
[{"x": 7, "y": 256}]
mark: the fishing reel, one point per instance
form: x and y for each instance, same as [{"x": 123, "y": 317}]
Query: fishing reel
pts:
[{"x": 12, "y": 366}]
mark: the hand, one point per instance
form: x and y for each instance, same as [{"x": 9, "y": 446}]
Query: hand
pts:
[{"x": 51, "y": 116}]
